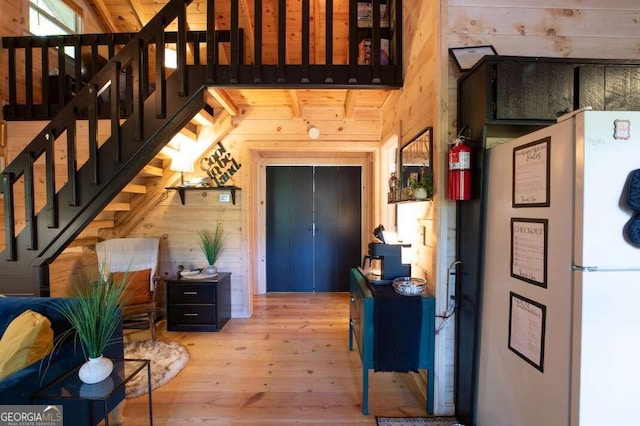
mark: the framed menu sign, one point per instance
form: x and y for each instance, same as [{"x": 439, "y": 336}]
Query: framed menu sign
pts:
[
  {"x": 529, "y": 250},
  {"x": 531, "y": 174},
  {"x": 527, "y": 321}
]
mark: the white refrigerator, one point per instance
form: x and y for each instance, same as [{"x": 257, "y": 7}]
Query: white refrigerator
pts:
[{"x": 560, "y": 321}]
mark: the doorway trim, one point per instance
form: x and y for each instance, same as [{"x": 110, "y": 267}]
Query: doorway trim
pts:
[{"x": 261, "y": 158}]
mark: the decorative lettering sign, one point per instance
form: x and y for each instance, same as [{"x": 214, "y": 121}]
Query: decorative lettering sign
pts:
[
  {"x": 529, "y": 250},
  {"x": 220, "y": 166},
  {"x": 527, "y": 321},
  {"x": 531, "y": 174}
]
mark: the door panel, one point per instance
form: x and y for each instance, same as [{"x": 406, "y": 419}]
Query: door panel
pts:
[
  {"x": 338, "y": 223},
  {"x": 288, "y": 227},
  {"x": 349, "y": 223},
  {"x": 300, "y": 255},
  {"x": 298, "y": 260},
  {"x": 327, "y": 233}
]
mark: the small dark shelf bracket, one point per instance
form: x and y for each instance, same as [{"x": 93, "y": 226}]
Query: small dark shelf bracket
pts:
[{"x": 183, "y": 189}]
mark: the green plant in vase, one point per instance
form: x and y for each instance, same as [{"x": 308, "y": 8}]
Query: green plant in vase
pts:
[
  {"x": 212, "y": 243},
  {"x": 94, "y": 314},
  {"x": 422, "y": 188}
]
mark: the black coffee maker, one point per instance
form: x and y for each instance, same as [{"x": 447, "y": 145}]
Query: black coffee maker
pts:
[{"x": 390, "y": 256}]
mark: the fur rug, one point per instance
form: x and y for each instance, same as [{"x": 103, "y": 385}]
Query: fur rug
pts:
[{"x": 167, "y": 359}]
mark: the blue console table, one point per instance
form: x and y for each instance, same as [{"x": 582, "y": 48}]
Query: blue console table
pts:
[{"x": 361, "y": 327}]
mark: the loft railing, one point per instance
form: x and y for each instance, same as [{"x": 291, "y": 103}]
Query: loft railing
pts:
[
  {"x": 46, "y": 72},
  {"x": 45, "y": 89}
]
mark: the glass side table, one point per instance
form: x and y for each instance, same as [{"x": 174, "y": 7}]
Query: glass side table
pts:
[{"x": 70, "y": 386}]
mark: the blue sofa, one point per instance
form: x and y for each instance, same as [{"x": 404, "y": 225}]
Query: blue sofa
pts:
[{"x": 19, "y": 387}]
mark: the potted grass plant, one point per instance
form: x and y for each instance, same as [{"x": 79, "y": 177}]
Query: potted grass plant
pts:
[
  {"x": 212, "y": 243},
  {"x": 94, "y": 314}
]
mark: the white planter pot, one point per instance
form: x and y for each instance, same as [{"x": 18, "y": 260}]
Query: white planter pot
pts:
[
  {"x": 210, "y": 270},
  {"x": 95, "y": 370},
  {"x": 420, "y": 194}
]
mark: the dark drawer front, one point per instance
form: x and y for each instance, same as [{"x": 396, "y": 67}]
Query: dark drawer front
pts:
[
  {"x": 191, "y": 293},
  {"x": 355, "y": 313},
  {"x": 192, "y": 314}
]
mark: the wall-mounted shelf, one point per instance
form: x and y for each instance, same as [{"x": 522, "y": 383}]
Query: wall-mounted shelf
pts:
[
  {"x": 401, "y": 196},
  {"x": 183, "y": 189}
]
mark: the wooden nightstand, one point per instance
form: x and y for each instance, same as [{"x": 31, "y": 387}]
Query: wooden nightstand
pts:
[{"x": 198, "y": 304}]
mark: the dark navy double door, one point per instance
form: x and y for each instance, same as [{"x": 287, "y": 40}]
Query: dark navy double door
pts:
[{"x": 313, "y": 227}]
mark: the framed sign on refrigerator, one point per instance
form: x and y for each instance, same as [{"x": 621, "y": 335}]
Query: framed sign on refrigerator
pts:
[
  {"x": 529, "y": 242},
  {"x": 527, "y": 321},
  {"x": 531, "y": 174}
]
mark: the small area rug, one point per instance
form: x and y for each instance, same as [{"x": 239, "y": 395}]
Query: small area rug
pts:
[
  {"x": 416, "y": 421},
  {"x": 167, "y": 359}
]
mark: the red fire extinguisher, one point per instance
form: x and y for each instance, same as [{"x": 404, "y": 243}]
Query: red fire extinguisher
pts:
[{"x": 460, "y": 171}]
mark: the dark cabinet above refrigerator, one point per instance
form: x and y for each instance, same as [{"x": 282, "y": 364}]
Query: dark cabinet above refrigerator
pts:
[{"x": 509, "y": 90}]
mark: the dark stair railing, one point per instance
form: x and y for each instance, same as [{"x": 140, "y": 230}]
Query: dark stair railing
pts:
[
  {"x": 58, "y": 81},
  {"x": 154, "y": 118},
  {"x": 154, "y": 104}
]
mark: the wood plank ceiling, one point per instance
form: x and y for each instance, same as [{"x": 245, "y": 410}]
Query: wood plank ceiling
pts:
[{"x": 132, "y": 15}]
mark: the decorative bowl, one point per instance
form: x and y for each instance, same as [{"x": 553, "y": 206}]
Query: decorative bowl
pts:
[
  {"x": 409, "y": 286},
  {"x": 189, "y": 272}
]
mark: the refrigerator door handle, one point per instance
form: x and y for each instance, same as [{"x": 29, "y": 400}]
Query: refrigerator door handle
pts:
[
  {"x": 584, "y": 268},
  {"x": 580, "y": 268}
]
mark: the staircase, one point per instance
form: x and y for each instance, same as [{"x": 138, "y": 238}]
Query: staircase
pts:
[
  {"x": 134, "y": 140},
  {"x": 145, "y": 105}
]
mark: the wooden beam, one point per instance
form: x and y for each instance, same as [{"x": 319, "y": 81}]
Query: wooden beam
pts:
[
  {"x": 168, "y": 151},
  {"x": 248, "y": 29},
  {"x": 104, "y": 16},
  {"x": 318, "y": 30},
  {"x": 117, "y": 207},
  {"x": 97, "y": 224},
  {"x": 188, "y": 133},
  {"x": 83, "y": 241},
  {"x": 295, "y": 105},
  {"x": 151, "y": 171},
  {"x": 349, "y": 103},
  {"x": 135, "y": 189},
  {"x": 139, "y": 13},
  {"x": 222, "y": 126},
  {"x": 223, "y": 100},
  {"x": 203, "y": 118}
]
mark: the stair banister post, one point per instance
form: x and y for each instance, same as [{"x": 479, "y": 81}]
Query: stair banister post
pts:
[
  {"x": 50, "y": 171},
  {"x": 9, "y": 217},
  {"x": 114, "y": 99},
  {"x": 138, "y": 101},
  {"x": 72, "y": 164},
  {"x": 212, "y": 42},
  {"x": 161, "y": 85},
  {"x": 182, "y": 50},
  {"x": 92, "y": 113}
]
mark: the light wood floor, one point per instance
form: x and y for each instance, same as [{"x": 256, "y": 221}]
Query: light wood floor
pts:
[{"x": 289, "y": 363}]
